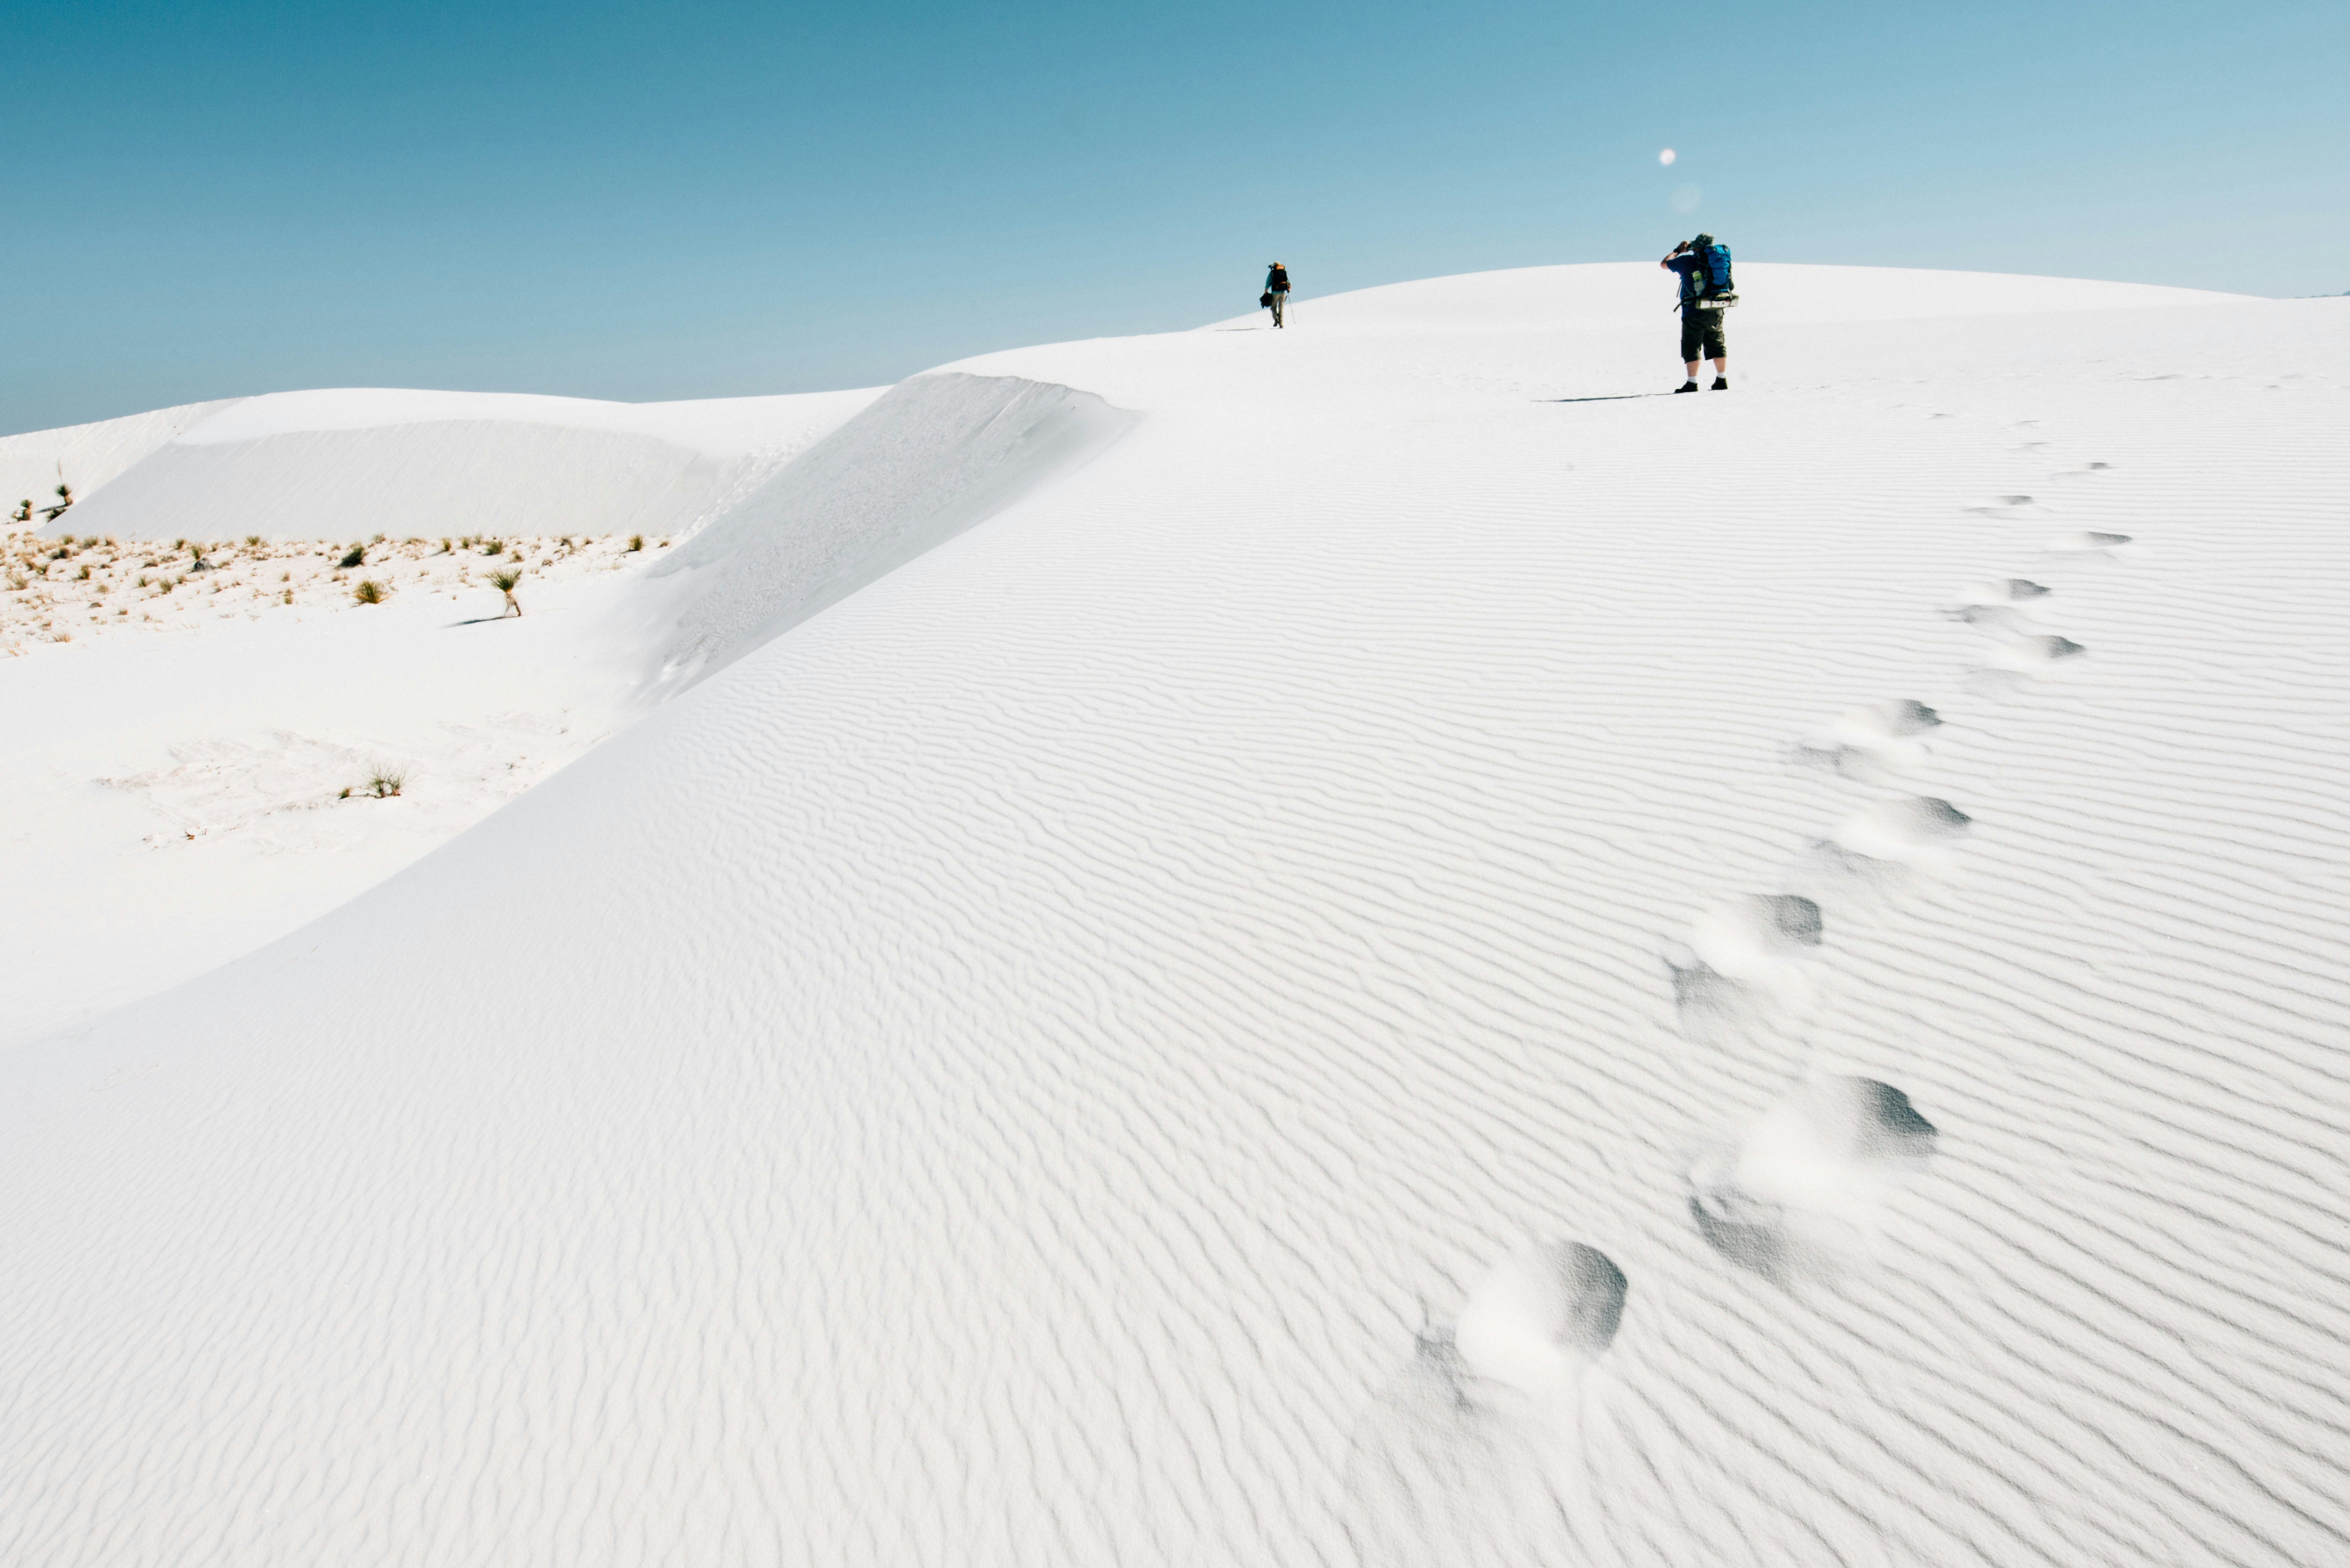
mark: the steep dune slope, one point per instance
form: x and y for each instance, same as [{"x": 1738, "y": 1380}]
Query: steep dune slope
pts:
[
  {"x": 934, "y": 456},
  {"x": 1398, "y": 969}
]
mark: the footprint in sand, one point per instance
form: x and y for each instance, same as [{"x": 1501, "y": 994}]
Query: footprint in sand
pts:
[
  {"x": 2035, "y": 655},
  {"x": 1540, "y": 1315},
  {"x": 2002, "y": 591},
  {"x": 2008, "y": 507},
  {"x": 1909, "y": 830},
  {"x": 2087, "y": 542},
  {"x": 2002, "y": 602},
  {"x": 1798, "y": 1194},
  {"x": 1890, "y": 736},
  {"x": 1469, "y": 1443},
  {"x": 1745, "y": 959}
]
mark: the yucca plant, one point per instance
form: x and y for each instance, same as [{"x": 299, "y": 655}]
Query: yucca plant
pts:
[{"x": 505, "y": 581}]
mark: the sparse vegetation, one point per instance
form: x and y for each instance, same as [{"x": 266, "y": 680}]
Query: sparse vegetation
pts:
[
  {"x": 227, "y": 576},
  {"x": 386, "y": 781},
  {"x": 636, "y": 542},
  {"x": 355, "y": 556}
]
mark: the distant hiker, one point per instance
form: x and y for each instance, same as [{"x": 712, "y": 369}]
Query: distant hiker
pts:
[
  {"x": 1706, "y": 292},
  {"x": 1276, "y": 290}
]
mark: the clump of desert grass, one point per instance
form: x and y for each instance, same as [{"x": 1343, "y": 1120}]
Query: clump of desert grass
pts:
[
  {"x": 355, "y": 556},
  {"x": 368, "y": 592},
  {"x": 384, "y": 782}
]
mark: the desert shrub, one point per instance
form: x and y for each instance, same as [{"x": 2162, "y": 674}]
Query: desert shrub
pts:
[
  {"x": 386, "y": 781},
  {"x": 368, "y": 592},
  {"x": 377, "y": 540},
  {"x": 636, "y": 541},
  {"x": 252, "y": 541},
  {"x": 494, "y": 547},
  {"x": 355, "y": 556},
  {"x": 505, "y": 581}
]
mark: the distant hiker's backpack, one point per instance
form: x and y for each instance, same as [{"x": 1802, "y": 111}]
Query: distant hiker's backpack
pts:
[
  {"x": 1713, "y": 278},
  {"x": 1264, "y": 299}
]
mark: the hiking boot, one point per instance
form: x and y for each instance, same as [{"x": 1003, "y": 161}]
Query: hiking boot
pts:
[
  {"x": 1686, "y": 387},
  {"x": 1721, "y": 383}
]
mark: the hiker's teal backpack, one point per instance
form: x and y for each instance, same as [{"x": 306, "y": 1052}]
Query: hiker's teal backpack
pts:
[{"x": 1713, "y": 268}]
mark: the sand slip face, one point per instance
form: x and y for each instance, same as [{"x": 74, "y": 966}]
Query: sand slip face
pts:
[{"x": 1153, "y": 1033}]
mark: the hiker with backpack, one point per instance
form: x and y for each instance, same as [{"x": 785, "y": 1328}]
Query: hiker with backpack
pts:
[
  {"x": 1706, "y": 292},
  {"x": 1276, "y": 290}
]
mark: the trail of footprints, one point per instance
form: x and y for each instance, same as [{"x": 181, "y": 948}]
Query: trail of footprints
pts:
[{"x": 1791, "y": 1196}]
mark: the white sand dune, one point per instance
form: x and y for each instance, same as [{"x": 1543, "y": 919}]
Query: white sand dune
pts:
[
  {"x": 87, "y": 457},
  {"x": 349, "y": 464},
  {"x": 1414, "y": 963}
]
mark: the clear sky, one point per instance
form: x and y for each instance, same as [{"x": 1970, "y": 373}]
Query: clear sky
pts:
[{"x": 695, "y": 200}]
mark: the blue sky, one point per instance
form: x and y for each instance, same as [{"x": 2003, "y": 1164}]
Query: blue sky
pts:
[{"x": 677, "y": 200}]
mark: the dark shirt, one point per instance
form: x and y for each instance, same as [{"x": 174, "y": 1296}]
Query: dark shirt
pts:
[
  {"x": 1692, "y": 273},
  {"x": 1277, "y": 281}
]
